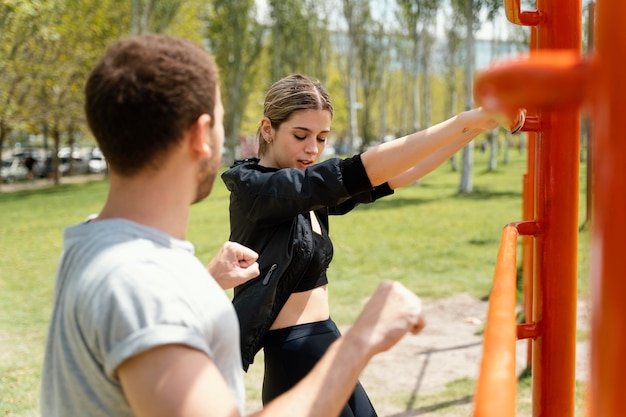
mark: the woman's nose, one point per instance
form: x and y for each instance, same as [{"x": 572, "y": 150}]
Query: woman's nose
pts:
[{"x": 311, "y": 146}]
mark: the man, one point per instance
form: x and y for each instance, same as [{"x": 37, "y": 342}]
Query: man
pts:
[
  {"x": 139, "y": 326},
  {"x": 30, "y": 163}
]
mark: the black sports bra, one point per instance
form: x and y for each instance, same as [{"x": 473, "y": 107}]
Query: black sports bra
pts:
[{"x": 315, "y": 275}]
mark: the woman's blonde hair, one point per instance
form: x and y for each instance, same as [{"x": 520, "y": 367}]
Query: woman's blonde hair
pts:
[{"x": 291, "y": 94}]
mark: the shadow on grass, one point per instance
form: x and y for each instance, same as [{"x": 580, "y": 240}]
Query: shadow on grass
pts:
[
  {"x": 482, "y": 193},
  {"x": 479, "y": 194},
  {"x": 398, "y": 202},
  {"x": 482, "y": 242},
  {"x": 435, "y": 407},
  {"x": 410, "y": 411}
]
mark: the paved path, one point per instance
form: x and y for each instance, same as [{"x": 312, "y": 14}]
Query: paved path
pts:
[{"x": 45, "y": 183}]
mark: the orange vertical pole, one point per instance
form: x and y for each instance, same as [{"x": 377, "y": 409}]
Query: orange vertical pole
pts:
[
  {"x": 591, "y": 7},
  {"x": 517, "y": 16},
  {"x": 555, "y": 285},
  {"x": 528, "y": 213},
  {"x": 608, "y": 268}
]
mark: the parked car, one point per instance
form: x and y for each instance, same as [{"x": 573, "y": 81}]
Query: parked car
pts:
[
  {"x": 14, "y": 170},
  {"x": 97, "y": 164},
  {"x": 80, "y": 165}
]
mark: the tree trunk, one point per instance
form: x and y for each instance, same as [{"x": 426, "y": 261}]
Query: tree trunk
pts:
[
  {"x": 507, "y": 147},
  {"x": 56, "y": 136},
  {"x": 2, "y": 136},
  {"x": 353, "y": 107},
  {"x": 493, "y": 150},
  {"x": 382, "y": 101},
  {"x": 416, "y": 91},
  {"x": 465, "y": 185},
  {"x": 427, "y": 44},
  {"x": 71, "y": 143}
]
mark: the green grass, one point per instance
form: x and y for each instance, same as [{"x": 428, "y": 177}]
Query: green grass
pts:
[
  {"x": 457, "y": 396},
  {"x": 428, "y": 236}
]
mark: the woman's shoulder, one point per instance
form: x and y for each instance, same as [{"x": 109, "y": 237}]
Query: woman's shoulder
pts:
[
  {"x": 245, "y": 161},
  {"x": 248, "y": 164},
  {"x": 245, "y": 173}
]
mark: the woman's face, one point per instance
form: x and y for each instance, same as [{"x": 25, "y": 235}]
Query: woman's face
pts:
[{"x": 298, "y": 142}]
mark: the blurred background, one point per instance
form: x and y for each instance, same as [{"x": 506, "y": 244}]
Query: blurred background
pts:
[{"x": 391, "y": 67}]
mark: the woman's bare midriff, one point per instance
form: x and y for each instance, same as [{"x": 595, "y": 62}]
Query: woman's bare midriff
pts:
[{"x": 304, "y": 307}]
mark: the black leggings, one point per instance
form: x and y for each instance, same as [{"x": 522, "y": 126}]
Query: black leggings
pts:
[{"x": 290, "y": 354}]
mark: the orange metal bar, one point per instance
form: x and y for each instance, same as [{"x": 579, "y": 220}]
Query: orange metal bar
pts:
[
  {"x": 528, "y": 213},
  {"x": 528, "y": 331},
  {"x": 556, "y": 248},
  {"x": 531, "y": 124},
  {"x": 608, "y": 225},
  {"x": 516, "y": 16},
  {"x": 546, "y": 79},
  {"x": 498, "y": 364}
]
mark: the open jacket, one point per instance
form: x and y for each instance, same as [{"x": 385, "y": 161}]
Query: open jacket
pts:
[{"x": 268, "y": 213}]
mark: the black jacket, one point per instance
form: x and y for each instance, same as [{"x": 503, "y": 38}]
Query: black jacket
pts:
[{"x": 268, "y": 213}]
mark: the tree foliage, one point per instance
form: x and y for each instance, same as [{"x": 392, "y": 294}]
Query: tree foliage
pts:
[
  {"x": 298, "y": 38},
  {"x": 376, "y": 58},
  {"x": 234, "y": 37},
  {"x": 469, "y": 12}
]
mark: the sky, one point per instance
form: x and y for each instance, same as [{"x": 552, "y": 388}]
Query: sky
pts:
[{"x": 383, "y": 10}]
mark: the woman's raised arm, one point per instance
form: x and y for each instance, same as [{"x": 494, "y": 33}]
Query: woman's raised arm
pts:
[{"x": 404, "y": 160}]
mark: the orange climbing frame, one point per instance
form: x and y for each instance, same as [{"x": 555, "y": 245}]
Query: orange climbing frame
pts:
[
  {"x": 550, "y": 82},
  {"x": 599, "y": 86}
]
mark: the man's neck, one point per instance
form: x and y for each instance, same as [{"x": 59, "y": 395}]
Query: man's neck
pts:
[{"x": 149, "y": 200}]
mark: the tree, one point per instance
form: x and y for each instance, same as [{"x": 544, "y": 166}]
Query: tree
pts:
[
  {"x": 419, "y": 16},
  {"x": 234, "y": 37},
  {"x": 470, "y": 10},
  {"x": 299, "y": 38},
  {"x": 152, "y": 15},
  {"x": 47, "y": 48},
  {"x": 451, "y": 61},
  {"x": 19, "y": 29},
  {"x": 373, "y": 53},
  {"x": 76, "y": 33},
  {"x": 356, "y": 14}
]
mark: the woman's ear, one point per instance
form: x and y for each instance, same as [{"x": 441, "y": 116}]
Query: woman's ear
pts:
[{"x": 267, "y": 129}]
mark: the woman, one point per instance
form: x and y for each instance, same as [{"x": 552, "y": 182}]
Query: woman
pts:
[{"x": 279, "y": 207}]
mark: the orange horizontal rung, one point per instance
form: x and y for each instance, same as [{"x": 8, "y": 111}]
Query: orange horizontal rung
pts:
[{"x": 543, "y": 80}]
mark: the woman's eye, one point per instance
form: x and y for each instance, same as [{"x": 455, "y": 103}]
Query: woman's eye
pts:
[
  {"x": 299, "y": 137},
  {"x": 322, "y": 140}
]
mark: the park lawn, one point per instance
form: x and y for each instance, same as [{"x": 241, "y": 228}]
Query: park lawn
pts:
[{"x": 426, "y": 235}]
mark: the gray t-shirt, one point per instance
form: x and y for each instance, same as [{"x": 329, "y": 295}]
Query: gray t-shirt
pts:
[{"x": 121, "y": 289}]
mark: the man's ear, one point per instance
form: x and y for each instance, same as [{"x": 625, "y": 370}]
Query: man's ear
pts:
[{"x": 199, "y": 135}]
